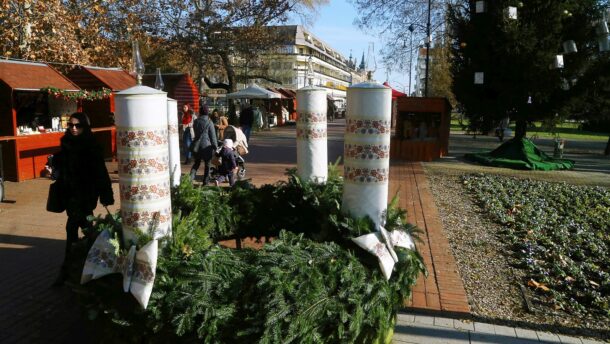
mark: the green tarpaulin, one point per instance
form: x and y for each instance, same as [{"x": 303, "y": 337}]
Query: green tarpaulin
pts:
[{"x": 520, "y": 154}]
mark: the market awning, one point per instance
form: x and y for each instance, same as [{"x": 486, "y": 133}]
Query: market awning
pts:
[
  {"x": 253, "y": 92},
  {"x": 395, "y": 93},
  {"x": 32, "y": 76}
]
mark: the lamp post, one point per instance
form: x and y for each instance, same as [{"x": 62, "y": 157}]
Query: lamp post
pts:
[
  {"x": 428, "y": 39},
  {"x": 411, "y": 29}
]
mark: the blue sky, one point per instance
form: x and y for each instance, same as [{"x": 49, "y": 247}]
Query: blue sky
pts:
[{"x": 334, "y": 25}]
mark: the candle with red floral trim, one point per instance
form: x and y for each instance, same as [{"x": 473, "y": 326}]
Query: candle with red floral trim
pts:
[
  {"x": 367, "y": 151},
  {"x": 143, "y": 158},
  {"x": 312, "y": 149}
]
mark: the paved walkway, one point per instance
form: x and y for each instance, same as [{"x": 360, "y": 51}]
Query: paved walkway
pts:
[{"x": 32, "y": 242}]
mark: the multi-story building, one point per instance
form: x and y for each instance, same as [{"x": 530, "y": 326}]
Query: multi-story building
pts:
[
  {"x": 420, "y": 73},
  {"x": 302, "y": 58}
]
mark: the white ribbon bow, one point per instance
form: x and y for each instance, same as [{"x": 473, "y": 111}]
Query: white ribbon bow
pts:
[
  {"x": 138, "y": 268},
  {"x": 381, "y": 244}
]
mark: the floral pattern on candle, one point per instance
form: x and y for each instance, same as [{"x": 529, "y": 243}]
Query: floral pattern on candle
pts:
[
  {"x": 366, "y": 175},
  {"x": 311, "y": 133},
  {"x": 367, "y": 152},
  {"x": 172, "y": 129},
  {"x": 367, "y": 126},
  {"x": 143, "y": 166},
  {"x": 312, "y": 117},
  {"x": 144, "y": 192},
  {"x": 146, "y": 219},
  {"x": 142, "y": 138}
]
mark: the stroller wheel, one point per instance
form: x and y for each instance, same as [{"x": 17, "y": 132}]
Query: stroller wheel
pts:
[{"x": 241, "y": 173}]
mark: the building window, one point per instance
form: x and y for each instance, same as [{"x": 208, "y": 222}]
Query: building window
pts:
[{"x": 301, "y": 51}]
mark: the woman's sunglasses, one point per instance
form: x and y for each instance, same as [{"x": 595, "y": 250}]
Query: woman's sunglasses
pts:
[{"x": 77, "y": 125}]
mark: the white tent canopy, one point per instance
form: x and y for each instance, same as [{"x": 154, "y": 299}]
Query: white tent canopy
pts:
[{"x": 253, "y": 92}]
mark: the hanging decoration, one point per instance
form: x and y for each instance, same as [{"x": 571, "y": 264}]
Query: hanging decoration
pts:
[{"x": 100, "y": 94}]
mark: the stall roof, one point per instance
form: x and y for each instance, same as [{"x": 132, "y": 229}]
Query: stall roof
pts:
[
  {"x": 32, "y": 76},
  {"x": 170, "y": 80},
  {"x": 93, "y": 78}
]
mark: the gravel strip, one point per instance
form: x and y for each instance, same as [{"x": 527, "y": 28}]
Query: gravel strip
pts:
[{"x": 492, "y": 284}]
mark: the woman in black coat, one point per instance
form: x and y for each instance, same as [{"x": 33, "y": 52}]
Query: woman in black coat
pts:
[{"x": 83, "y": 177}]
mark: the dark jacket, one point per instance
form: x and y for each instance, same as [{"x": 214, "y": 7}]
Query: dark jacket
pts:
[
  {"x": 204, "y": 128},
  {"x": 82, "y": 173},
  {"x": 246, "y": 117},
  {"x": 228, "y": 160}
]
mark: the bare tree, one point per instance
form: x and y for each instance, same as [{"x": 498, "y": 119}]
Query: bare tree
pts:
[{"x": 397, "y": 20}]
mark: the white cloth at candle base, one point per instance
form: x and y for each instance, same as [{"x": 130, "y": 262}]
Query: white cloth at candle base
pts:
[
  {"x": 384, "y": 250},
  {"x": 175, "y": 170},
  {"x": 367, "y": 151},
  {"x": 312, "y": 148},
  {"x": 138, "y": 267}
]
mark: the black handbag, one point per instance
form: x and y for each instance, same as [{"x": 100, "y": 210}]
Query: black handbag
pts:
[
  {"x": 195, "y": 145},
  {"x": 55, "y": 201}
]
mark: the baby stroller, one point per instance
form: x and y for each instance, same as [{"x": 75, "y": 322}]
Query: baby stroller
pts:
[{"x": 240, "y": 146}]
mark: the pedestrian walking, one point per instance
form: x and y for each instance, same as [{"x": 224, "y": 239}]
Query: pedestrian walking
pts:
[
  {"x": 220, "y": 123},
  {"x": 204, "y": 145},
  {"x": 83, "y": 178},
  {"x": 188, "y": 119},
  {"x": 246, "y": 118}
]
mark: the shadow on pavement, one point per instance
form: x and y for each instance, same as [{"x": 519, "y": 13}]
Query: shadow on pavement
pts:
[{"x": 31, "y": 310}]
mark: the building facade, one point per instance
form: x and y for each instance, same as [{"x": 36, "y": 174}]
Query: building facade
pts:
[{"x": 301, "y": 59}]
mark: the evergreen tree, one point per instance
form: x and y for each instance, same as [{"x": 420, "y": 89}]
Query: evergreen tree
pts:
[{"x": 517, "y": 57}]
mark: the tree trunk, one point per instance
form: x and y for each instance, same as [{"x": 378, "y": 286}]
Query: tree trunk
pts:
[
  {"x": 520, "y": 129},
  {"x": 607, "y": 150}
]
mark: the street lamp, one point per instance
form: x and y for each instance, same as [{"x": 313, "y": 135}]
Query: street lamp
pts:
[{"x": 411, "y": 29}]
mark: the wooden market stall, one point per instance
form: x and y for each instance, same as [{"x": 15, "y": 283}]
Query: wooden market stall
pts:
[
  {"x": 422, "y": 129},
  {"x": 179, "y": 86},
  {"x": 101, "y": 111},
  {"x": 30, "y": 119}
]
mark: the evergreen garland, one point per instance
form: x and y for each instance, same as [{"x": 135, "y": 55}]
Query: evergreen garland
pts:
[
  {"x": 102, "y": 93},
  {"x": 310, "y": 285}
]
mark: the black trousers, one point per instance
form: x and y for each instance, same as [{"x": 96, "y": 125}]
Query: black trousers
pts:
[{"x": 204, "y": 154}]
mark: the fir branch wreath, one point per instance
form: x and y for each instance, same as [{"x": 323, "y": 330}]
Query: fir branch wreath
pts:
[
  {"x": 311, "y": 284},
  {"x": 102, "y": 93}
]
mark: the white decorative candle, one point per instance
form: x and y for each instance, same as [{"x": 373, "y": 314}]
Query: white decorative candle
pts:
[
  {"x": 174, "y": 142},
  {"x": 143, "y": 156},
  {"x": 312, "y": 149},
  {"x": 367, "y": 150}
]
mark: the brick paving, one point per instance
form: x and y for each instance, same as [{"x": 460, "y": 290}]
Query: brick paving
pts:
[{"x": 442, "y": 290}]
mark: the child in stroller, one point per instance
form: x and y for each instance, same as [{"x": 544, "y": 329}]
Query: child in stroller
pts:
[{"x": 227, "y": 163}]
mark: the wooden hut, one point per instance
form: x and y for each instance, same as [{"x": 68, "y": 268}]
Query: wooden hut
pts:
[
  {"x": 422, "y": 129},
  {"x": 101, "y": 112},
  {"x": 179, "y": 86},
  {"x": 30, "y": 125}
]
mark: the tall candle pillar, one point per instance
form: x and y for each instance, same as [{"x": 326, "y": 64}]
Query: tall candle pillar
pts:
[
  {"x": 312, "y": 148},
  {"x": 143, "y": 157},
  {"x": 367, "y": 150},
  {"x": 174, "y": 142}
]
